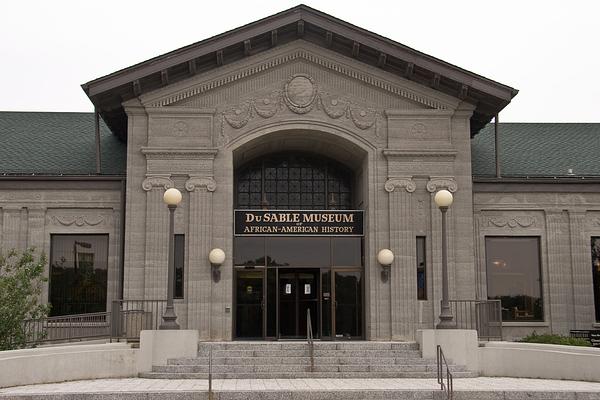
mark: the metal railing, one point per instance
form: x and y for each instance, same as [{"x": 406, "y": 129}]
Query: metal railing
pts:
[
  {"x": 309, "y": 338},
  {"x": 66, "y": 328},
  {"x": 485, "y": 316},
  {"x": 126, "y": 319},
  {"x": 448, "y": 385},
  {"x": 130, "y": 317},
  {"x": 210, "y": 391}
]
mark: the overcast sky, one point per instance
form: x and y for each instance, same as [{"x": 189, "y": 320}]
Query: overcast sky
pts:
[{"x": 549, "y": 50}]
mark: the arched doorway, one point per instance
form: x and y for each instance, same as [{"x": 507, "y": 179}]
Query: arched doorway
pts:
[{"x": 298, "y": 248}]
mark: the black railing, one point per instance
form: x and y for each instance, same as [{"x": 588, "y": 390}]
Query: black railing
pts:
[
  {"x": 446, "y": 385},
  {"x": 126, "y": 319},
  {"x": 485, "y": 316},
  {"x": 66, "y": 328},
  {"x": 310, "y": 340},
  {"x": 130, "y": 317}
]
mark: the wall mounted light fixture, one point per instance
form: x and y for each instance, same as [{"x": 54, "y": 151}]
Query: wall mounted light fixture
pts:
[
  {"x": 385, "y": 257},
  {"x": 216, "y": 258}
]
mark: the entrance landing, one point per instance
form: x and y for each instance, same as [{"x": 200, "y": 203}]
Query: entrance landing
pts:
[{"x": 302, "y": 389}]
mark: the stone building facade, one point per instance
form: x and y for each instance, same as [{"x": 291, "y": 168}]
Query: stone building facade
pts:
[{"x": 400, "y": 122}]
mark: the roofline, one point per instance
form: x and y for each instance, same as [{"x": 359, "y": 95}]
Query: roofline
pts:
[
  {"x": 30, "y": 177},
  {"x": 551, "y": 180},
  {"x": 295, "y": 14}
]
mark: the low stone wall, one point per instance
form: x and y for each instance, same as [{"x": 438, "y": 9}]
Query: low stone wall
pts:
[
  {"x": 65, "y": 363},
  {"x": 531, "y": 360}
]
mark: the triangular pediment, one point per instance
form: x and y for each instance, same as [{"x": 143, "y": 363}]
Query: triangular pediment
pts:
[{"x": 300, "y": 23}]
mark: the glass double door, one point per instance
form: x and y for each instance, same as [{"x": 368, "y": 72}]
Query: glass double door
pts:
[{"x": 274, "y": 303}]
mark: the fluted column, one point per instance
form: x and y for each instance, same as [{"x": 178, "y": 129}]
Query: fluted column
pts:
[
  {"x": 11, "y": 228},
  {"x": 199, "y": 243},
  {"x": 157, "y": 235},
  {"x": 583, "y": 290},
  {"x": 403, "y": 274},
  {"x": 559, "y": 277},
  {"x": 435, "y": 184}
]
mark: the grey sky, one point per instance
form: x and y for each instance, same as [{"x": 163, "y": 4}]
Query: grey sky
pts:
[{"x": 549, "y": 50}]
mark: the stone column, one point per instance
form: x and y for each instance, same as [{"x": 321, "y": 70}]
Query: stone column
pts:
[
  {"x": 199, "y": 285},
  {"x": 434, "y": 184},
  {"x": 559, "y": 275},
  {"x": 157, "y": 235},
  {"x": 11, "y": 228},
  {"x": 582, "y": 290},
  {"x": 403, "y": 274}
]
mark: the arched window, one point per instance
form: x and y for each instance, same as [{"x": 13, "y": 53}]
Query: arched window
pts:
[{"x": 293, "y": 181}]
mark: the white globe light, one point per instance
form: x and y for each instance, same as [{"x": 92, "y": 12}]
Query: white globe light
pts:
[
  {"x": 216, "y": 256},
  {"x": 385, "y": 257},
  {"x": 443, "y": 198},
  {"x": 172, "y": 197}
]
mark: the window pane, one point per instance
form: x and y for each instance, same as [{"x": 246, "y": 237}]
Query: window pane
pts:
[
  {"x": 513, "y": 276},
  {"x": 421, "y": 269},
  {"x": 596, "y": 274},
  {"x": 249, "y": 251},
  {"x": 298, "y": 251},
  {"x": 179, "y": 263},
  {"x": 346, "y": 251},
  {"x": 78, "y": 274}
]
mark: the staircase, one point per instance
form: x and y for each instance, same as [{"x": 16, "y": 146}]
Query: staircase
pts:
[{"x": 281, "y": 360}]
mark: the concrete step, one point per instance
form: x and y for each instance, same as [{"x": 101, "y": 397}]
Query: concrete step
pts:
[
  {"x": 317, "y": 352},
  {"x": 204, "y": 346},
  {"x": 300, "y": 360},
  {"x": 295, "y": 375}
]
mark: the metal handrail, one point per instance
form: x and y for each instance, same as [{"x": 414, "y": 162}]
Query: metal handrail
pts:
[
  {"x": 448, "y": 386},
  {"x": 309, "y": 338},
  {"x": 210, "y": 391},
  {"x": 485, "y": 316}
]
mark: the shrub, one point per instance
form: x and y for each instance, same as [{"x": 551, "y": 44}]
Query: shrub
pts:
[
  {"x": 555, "y": 339},
  {"x": 21, "y": 282}
]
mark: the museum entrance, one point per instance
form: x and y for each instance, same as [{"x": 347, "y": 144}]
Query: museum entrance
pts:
[{"x": 298, "y": 250}]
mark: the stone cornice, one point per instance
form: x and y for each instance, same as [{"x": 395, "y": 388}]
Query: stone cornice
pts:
[
  {"x": 427, "y": 153},
  {"x": 442, "y": 182},
  {"x": 197, "y": 182},
  {"x": 405, "y": 182},
  {"x": 170, "y": 153},
  {"x": 304, "y": 53}
]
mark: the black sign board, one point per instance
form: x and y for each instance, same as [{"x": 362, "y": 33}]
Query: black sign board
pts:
[
  {"x": 594, "y": 338},
  {"x": 298, "y": 223}
]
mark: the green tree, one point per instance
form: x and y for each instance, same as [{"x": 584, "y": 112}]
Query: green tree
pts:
[{"x": 21, "y": 282}]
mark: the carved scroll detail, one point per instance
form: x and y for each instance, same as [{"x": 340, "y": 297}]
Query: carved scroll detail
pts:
[
  {"x": 78, "y": 220},
  {"x": 441, "y": 182},
  {"x": 153, "y": 181},
  {"x": 402, "y": 182},
  {"x": 196, "y": 182}
]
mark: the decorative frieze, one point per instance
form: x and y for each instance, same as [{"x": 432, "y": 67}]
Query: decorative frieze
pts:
[
  {"x": 436, "y": 183},
  {"x": 511, "y": 222},
  {"x": 77, "y": 220},
  {"x": 300, "y": 95},
  {"x": 400, "y": 182}
]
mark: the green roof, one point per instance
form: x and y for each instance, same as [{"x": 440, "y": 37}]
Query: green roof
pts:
[
  {"x": 538, "y": 150},
  {"x": 57, "y": 143}
]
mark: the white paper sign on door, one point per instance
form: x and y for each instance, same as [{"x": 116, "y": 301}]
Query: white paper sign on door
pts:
[
  {"x": 307, "y": 288},
  {"x": 288, "y": 288}
]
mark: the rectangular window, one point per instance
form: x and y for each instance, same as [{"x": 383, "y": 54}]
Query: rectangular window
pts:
[
  {"x": 78, "y": 274},
  {"x": 596, "y": 274},
  {"x": 513, "y": 276},
  {"x": 421, "y": 269},
  {"x": 179, "y": 263}
]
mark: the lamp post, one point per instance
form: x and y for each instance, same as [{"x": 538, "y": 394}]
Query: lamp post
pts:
[
  {"x": 172, "y": 198},
  {"x": 443, "y": 199}
]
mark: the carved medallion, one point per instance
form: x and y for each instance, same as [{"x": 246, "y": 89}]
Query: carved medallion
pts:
[
  {"x": 180, "y": 129},
  {"x": 300, "y": 93}
]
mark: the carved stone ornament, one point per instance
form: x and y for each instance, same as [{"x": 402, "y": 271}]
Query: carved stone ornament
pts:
[
  {"x": 180, "y": 129},
  {"x": 514, "y": 222},
  {"x": 77, "y": 220},
  {"x": 153, "y": 181},
  {"x": 300, "y": 95},
  {"x": 196, "y": 182},
  {"x": 442, "y": 182},
  {"x": 403, "y": 182}
]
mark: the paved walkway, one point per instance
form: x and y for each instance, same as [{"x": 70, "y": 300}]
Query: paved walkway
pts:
[{"x": 290, "y": 385}]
